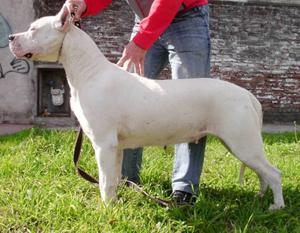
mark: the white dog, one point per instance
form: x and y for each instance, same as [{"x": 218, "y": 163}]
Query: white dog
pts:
[{"x": 119, "y": 110}]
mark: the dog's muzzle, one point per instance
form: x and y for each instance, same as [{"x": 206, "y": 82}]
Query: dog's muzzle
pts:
[{"x": 11, "y": 38}]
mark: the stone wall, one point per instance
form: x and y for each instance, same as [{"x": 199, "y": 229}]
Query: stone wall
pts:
[{"x": 255, "y": 44}]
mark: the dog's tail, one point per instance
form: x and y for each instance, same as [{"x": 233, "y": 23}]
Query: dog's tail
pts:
[{"x": 258, "y": 109}]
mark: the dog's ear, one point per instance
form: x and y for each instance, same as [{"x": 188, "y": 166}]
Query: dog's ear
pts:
[{"x": 62, "y": 19}]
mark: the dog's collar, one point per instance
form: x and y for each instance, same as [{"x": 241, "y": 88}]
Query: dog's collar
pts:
[
  {"x": 77, "y": 24},
  {"x": 60, "y": 49}
]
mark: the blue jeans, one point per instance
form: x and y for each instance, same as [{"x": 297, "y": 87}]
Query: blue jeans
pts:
[{"x": 186, "y": 46}]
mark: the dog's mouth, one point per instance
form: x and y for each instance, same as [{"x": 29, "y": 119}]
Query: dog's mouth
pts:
[
  {"x": 18, "y": 50},
  {"x": 28, "y": 55}
]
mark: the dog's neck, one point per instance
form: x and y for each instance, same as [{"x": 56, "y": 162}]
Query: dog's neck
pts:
[{"x": 79, "y": 53}]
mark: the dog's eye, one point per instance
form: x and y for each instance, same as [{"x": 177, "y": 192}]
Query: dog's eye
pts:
[{"x": 32, "y": 29}]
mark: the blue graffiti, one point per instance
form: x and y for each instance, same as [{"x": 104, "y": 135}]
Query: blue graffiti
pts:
[{"x": 5, "y": 31}]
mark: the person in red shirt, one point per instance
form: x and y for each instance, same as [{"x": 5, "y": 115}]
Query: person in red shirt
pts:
[{"x": 165, "y": 31}]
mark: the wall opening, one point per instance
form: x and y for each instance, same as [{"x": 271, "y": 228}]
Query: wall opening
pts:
[{"x": 53, "y": 93}]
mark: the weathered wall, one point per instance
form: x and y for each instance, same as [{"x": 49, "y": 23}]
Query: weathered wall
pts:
[
  {"x": 16, "y": 79},
  {"x": 255, "y": 44}
]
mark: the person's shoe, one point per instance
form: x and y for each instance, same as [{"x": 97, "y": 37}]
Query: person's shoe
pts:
[{"x": 183, "y": 198}]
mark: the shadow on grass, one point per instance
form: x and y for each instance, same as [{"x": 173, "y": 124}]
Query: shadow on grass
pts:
[
  {"x": 229, "y": 209},
  {"x": 17, "y": 137}
]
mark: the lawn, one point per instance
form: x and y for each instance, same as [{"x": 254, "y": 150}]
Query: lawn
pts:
[{"x": 40, "y": 191}]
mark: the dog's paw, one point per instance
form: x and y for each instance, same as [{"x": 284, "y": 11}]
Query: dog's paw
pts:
[
  {"x": 274, "y": 207},
  {"x": 260, "y": 194}
]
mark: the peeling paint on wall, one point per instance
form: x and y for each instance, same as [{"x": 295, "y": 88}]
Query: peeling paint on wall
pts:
[
  {"x": 17, "y": 85},
  {"x": 20, "y": 66}
]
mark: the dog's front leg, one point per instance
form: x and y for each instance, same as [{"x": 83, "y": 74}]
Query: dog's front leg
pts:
[{"x": 109, "y": 162}]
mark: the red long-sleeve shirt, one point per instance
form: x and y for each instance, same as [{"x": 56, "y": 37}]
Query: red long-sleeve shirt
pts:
[{"x": 161, "y": 15}]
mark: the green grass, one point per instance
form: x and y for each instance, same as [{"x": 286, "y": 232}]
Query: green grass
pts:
[{"x": 40, "y": 191}]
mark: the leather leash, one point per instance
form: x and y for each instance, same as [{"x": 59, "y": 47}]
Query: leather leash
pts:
[{"x": 86, "y": 176}]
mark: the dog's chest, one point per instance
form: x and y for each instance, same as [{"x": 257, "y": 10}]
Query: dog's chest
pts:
[{"x": 79, "y": 113}]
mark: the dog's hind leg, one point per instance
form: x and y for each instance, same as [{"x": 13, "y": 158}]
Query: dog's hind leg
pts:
[
  {"x": 263, "y": 183},
  {"x": 247, "y": 145},
  {"x": 263, "y": 186}
]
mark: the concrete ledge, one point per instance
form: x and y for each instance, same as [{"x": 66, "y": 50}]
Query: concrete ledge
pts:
[
  {"x": 7, "y": 129},
  {"x": 55, "y": 122},
  {"x": 280, "y": 128},
  {"x": 50, "y": 65}
]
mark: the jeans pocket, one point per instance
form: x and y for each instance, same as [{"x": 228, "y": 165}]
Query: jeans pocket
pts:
[{"x": 195, "y": 28}]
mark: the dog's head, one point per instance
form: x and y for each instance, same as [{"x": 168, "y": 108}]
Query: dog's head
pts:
[{"x": 43, "y": 40}]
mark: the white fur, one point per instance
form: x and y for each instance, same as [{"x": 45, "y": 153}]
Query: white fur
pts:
[{"x": 119, "y": 110}]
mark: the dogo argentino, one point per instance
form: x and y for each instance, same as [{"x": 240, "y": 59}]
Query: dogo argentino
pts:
[{"x": 119, "y": 110}]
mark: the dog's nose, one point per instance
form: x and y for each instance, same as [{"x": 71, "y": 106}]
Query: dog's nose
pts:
[{"x": 11, "y": 37}]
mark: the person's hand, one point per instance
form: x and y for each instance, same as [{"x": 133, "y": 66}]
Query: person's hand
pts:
[
  {"x": 77, "y": 7},
  {"x": 133, "y": 55}
]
